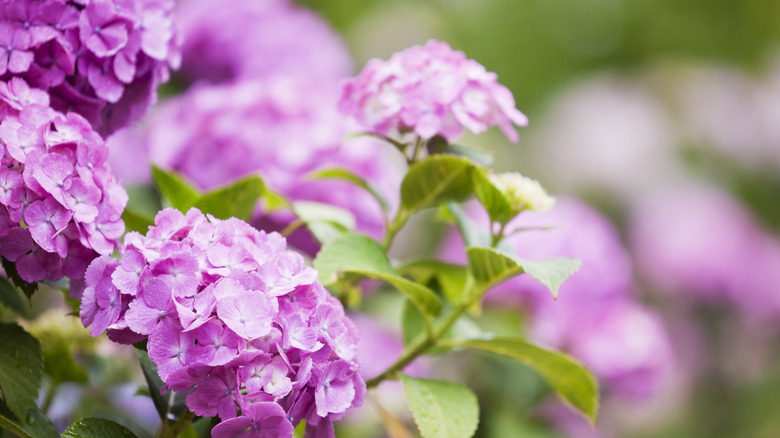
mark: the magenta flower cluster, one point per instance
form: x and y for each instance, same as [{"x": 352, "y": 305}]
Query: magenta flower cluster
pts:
[
  {"x": 100, "y": 58},
  {"x": 429, "y": 90},
  {"x": 229, "y": 311},
  {"x": 59, "y": 203}
]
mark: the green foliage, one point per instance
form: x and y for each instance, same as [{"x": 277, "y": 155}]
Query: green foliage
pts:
[
  {"x": 10, "y": 271},
  {"x": 441, "y": 409},
  {"x": 326, "y": 222},
  {"x": 497, "y": 205},
  {"x": 347, "y": 175},
  {"x": 413, "y": 326},
  {"x": 434, "y": 180},
  {"x": 235, "y": 200},
  {"x": 359, "y": 254},
  {"x": 60, "y": 366},
  {"x": 472, "y": 233},
  {"x": 169, "y": 405},
  {"x": 35, "y": 424},
  {"x": 452, "y": 280},
  {"x": 175, "y": 190},
  {"x": 93, "y": 427},
  {"x": 21, "y": 368},
  {"x": 490, "y": 266},
  {"x": 136, "y": 221},
  {"x": 573, "y": 382},
  {"x": 9, "y": 297}
]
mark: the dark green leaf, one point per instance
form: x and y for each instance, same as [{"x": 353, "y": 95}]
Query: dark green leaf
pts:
[
  {"x": 10, "y": 271},
  {"x": 135, "y": 221},
  {"x": 490, "y": 266},
  {"x": 10, "y": 422},
  {"x": 347, "y": 175},
  {"x": 34, "y": 425},
  {"x": 359, "y": 254},
  {"x": 441, "y": 409},
  {"x": 175, "y": 190},
  {"x": 436, "y": 179},
  {"x": 10, "y": 297},
  {"x": 235, "y": 200},
  {"x": 93, "y": 427},
  {"x": 21, "y": 368},
  {"x": 568, "y": 378},
  {"x": 451, "y": 279}
]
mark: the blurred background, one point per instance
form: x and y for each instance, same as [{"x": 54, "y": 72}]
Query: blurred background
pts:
[{"x": 655, "y": 122}]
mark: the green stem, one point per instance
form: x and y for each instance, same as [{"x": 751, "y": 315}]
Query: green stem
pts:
[
  {"x": 49, "y": 398},
  {"x": 176, "y": 428},
  {"x": 497, "y": 237},
  {"x": 418, "y": 347},
  {"x": 394, "y": 227}
]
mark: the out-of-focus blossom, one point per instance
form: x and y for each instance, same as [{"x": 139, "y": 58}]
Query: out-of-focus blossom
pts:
[
  {"x": 229, "y": 311},
  {"x": 608, "y": 136},
  {"x": 102, "y": 59},
  {"x": 258, "y": 40},
  {"x": 522, "y": 193},
  {"x": 429, "y": 90},
  {"x": 595, "y": 318},
  {"x": 700, "y": 242},
  {"x": 284, "y": 129},
  {"x": 59, "y": 203}
]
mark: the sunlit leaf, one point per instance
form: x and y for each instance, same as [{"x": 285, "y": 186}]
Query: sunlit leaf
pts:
[
  {"x": 441, "y": 409},
  {"x": 93, "y": 427},
  {"x": 175, "y": 190},
  {"x": 237, "y": 199}
]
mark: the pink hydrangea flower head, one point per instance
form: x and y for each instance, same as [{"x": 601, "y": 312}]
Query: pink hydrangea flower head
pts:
[
  {"x": 102, "y": 59},
  {"x": 60, "y": 203},
  {"x": 234, "y": 332},
  {"x": 258, "y": 40},
  {"x": 429, "y": 90}
]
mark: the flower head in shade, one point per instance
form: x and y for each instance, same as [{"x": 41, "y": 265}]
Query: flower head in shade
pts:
[
  {"x": 258, "y": 40},
  {"x": 234, "y": 316},
  {"x": 429, "y": 90},
  {"x": 60, "y": 205},
  {"x": 596, "y": 318},
  {"x": 102, "y": 59}
]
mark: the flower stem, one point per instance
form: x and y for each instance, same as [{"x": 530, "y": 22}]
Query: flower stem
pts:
[{"x": 176, "y": 428}]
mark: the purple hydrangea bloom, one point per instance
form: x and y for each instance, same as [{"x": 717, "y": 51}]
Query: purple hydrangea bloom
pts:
[
  {"x": 429, "y": 90},
  {"x": 596, "y": 317},
  {"x": 61, "y": 204},
  {"x": 102, "y": 59},
  {"x": 233, "y": 333},
  {"x": 258, "y": 40},
  {"x": 284, "y": 129}
]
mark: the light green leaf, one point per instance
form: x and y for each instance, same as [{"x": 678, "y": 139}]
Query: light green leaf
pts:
[
  {"x": 413, "y": 326},
  {"x": 473, "y": 234},
  {"x": 21, "y": 368},
  {"x": 136, "y": 221},
  {"x": 326, "y": 222},
  {"x": 452, "y": 279},
  {"x": 441, "y": 409},
  {"x": 9, "y": 296},
  {"x": 93, "y": 427},
  {"x": 359, "y": 254},
  {"x": 176, "y": 191},
  {"x": 235, "y": 200},
  {"x": 492, "y": 198},
  {"x": 490, "y": 266},
  {"x": 436, "y": 179},
  {"x": 347, "y": 175},
  {"x": 273, "y": 201},
  {"x": 572, "y": 381}
]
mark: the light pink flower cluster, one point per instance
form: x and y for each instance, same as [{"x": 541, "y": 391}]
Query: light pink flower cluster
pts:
[
  {"x": 100, "y": 58},
  {"x": 59, "y": 203},
  {"x": 230, "y": 312},
  {"x": 429, "y": 90}
]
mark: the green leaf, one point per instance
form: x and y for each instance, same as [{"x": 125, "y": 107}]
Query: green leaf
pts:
[
  {"x": 436, "y": 179},
  {"x": 170, "y": 405},
  {"x": 492, "y": 198},
  {"x": 35, "y": 424},
  {"x": 326, "y": 222},
  {"x": 9, "y": 422},
  {"x": 176, "y": 191},
  {"x": 273, "y": 201},
  {"x": 413, "y": 326},
  {"x": 21, "y": 368},
  {"x": 136, "y": 221},
  {"x": 347, "y": 175},
  {"x": 490, "y": 266},
  {"x": 235, "y": 200},
  {"x": 473, "y": 234},
  {"x": 10, "y": 271},
  {"x": 93, "y": 427},
  {"x": 472, "y": 153},
  {"x": 359, "y": 254},
  {"x": 441, "y": 409},
  {"x": 568, "y": 378},
  {"x": 10, "y": 297},
  {"x": 451, "y": 279}
]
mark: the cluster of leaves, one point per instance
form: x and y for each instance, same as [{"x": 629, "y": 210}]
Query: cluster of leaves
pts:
[{"x": 441, "y": 297}]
